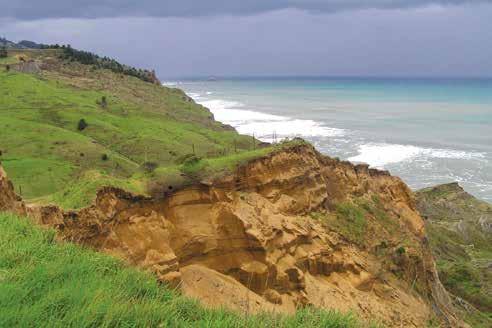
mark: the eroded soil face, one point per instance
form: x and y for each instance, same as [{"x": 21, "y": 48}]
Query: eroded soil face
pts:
[{"x": 292, "y": 229}]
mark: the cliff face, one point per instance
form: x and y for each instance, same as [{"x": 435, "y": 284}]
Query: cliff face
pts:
[{"x": 291, "y": 229}]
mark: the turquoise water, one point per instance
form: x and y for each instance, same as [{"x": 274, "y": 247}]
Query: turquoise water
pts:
[{"x": 427, "y": 131}]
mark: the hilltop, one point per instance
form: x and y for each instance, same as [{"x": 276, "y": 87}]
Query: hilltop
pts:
[{"x": 24, "y": 44}]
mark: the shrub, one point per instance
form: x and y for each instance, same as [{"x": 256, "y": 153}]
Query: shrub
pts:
[
  {"x": 104, "y": 157},
  {"x": 104, "y": 102},
  {"x": 149, "y": 166},
  {"x": 3, "y": 52},
  {"x": 188, "y": 158},
  {"x": 82, "y": 125},
  {"x": 193, "y": 166}
]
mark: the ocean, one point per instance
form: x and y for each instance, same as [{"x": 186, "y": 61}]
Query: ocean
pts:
[{"x": 426, "y": 131}]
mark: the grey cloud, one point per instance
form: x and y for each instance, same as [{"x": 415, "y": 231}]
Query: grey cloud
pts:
[
  {"x": 35, "y": 9},
  {"x": 451, "y": 41}
]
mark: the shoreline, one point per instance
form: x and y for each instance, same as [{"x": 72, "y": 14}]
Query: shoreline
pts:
[{"x": 345, "y": 143}]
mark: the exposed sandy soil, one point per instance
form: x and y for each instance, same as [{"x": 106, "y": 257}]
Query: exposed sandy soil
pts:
[{"x": 270, "y": 237}]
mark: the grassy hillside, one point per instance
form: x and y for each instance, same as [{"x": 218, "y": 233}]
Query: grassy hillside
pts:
[
  {"x": 47, "y": 284},
  {"x": 132, "y": 126},
  {"x": 458, "y": 226}
]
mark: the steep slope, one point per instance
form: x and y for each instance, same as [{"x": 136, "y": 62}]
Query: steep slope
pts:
[
  {"x": 128, "y": 126},
  {"x": 50, "y": 284},
  {"x": 287, "y": 230},
  {"x": 460, "y": 231}
]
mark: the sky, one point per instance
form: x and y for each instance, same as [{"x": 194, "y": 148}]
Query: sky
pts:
[{"x": 187, "y": 38}]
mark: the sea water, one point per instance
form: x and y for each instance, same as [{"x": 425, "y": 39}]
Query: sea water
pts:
[{"x": 427, "y": 131}]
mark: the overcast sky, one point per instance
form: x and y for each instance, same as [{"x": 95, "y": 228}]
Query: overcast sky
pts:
[{"x": 182, "y": 38}]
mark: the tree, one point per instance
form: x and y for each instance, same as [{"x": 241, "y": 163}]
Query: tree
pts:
[
  {"x": 3, "y": 52},
  {"x": 82, "y": 125}
]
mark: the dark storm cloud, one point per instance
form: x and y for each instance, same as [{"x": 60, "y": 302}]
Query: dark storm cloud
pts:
[
  {"x": 433, "y": 41},
  {"x": 42, "y": 9}
]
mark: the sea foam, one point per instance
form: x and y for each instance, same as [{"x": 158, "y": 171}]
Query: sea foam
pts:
[
  {"x": 263, "y": 126},
  {"x": 382, "y": 154}
]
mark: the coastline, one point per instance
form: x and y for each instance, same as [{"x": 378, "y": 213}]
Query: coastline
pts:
[{"x": 420, "y": 164}]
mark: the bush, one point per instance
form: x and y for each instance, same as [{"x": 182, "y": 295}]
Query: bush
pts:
[
  {"x": 104, "y": 157},
  {"x": 149, "y": 166},
  {"x": 3, "y": 52},
  {"x": 82, "y": 125},
  {"x": 188, "y": 159},
  {"x": 193, "y": 166},
  {"x": 104, "y": 102}
]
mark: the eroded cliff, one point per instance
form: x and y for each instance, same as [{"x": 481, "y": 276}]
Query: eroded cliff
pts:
[{"x": 291, "y": 229}]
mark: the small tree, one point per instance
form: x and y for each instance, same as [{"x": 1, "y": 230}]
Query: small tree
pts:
[
  {"x": 3, "y": 52},
  {"x": 104, "y": 102},
  {"x": 82, "y": 125}
]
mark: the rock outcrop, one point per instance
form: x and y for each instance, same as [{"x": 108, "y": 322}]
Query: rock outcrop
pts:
[
  {"x": 9, "y": 201},
  {"x": 291, "y": 229}
]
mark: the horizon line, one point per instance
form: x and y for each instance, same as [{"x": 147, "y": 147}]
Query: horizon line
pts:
[{"x": 246, "y": 77}]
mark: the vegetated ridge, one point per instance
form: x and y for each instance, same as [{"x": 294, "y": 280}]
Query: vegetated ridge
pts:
[{"x": 459, "y": 227}]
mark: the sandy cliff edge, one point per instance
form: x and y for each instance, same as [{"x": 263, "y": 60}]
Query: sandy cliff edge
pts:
[{"x": 273, "y": 236}]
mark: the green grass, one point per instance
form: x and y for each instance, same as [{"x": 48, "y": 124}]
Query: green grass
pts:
[
  {"x": 44, "y": 283},
  {"x": 81, "y": 192},
  {"x": 463, "y": 278},
  {"x": 7, "y": 61},
  {"x": 351, "y": 221},
  {"x": 43, "y": 151},
  {"x": 210, "y": 166},
  {"x": 348, "y": 219}
]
